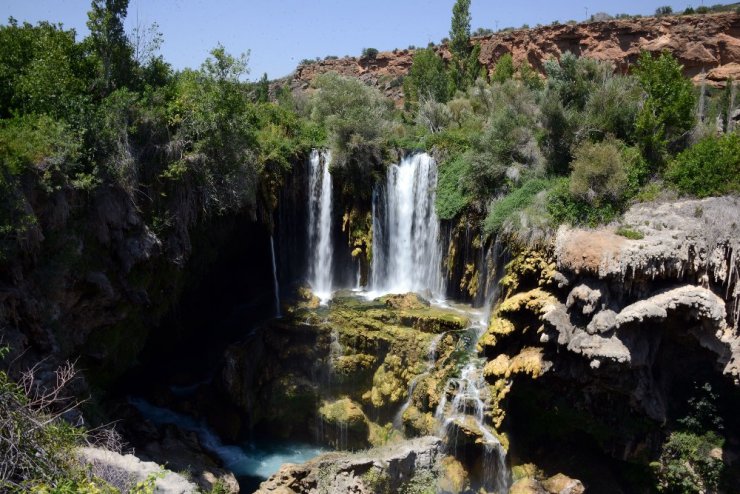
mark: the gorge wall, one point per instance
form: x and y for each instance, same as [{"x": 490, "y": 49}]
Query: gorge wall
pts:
[{"x": 706, "y": 45}]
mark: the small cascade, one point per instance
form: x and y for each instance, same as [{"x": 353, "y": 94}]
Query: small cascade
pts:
[
  {"x": 431, "y": 360},
  {"x": 407, "y": 254},
  {"x": 335, "y": 350},
  {"x": 276, "y": 286},
  {"x": 319, "y": 225},
  {"x": 466, "y": 399}
]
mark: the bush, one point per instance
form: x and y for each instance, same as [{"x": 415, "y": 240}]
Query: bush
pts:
[
  {"x": 504, "y": 69},
  {"x": 598, "y": 173},
  {"x": 356, "y": 117},
  {"x": 665, "y": 10},
  {"x": 36, "y": 444},
  {"x": 686, "y": 465},
  {"x": 427, "y": 78},
  {"x": 503, "y": 212},
  {"x": 709, "y": 168},
  {"x": 452, "y": 197},
  {"x": 369, "y": 53},
  {"x": 564, "y": 208}
]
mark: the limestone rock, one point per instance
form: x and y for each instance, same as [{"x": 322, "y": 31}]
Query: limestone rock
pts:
[
  {"x": 562, "y": 484},
  {"x": 361, "y": 473},
  {"x": 130, "y": 470}
]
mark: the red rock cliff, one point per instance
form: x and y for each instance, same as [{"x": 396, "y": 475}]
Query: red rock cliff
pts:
[{"x": 707, "y": 46}]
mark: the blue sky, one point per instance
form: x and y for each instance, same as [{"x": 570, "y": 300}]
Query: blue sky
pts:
[{"x": 280, "y": 33}]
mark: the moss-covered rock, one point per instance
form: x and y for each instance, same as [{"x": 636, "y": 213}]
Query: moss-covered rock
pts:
[
  {"x": 453, "y": 477},
  {"x": 344, "y": 424},
  {"x": 418, "y": 423},
  {"x": 405, "y": 301}
]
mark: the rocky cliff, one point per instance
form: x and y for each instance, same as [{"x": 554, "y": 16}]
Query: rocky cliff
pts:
[
  {"x": 708, "y": 46},
  {"x": 614, "y": 328}
]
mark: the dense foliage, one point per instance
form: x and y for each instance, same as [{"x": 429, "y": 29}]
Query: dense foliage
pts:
[
  {"x": 711, "y": 167},
  {"x": 79, "y": 117}
]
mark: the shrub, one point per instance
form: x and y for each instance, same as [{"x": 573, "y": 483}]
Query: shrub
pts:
[
  {"x": 452, "y": 197},
  {"x": 612, "y": 108},
  {"x": 686, "y": 464},
  {"x": 598, "y": 173},
  {"x": 564, "y": 208},
  {"x": 504, "y": 211},
  {"x": 356, "y": 117},
  {"x": 369, "y": 53},
  {"x": 709, "y": 168},
  {"x": 665, "y": 10},
  {"x": 627, "y": 232}
]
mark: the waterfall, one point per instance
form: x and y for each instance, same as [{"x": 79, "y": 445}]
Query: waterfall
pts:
[
  {"x": 466, "y": 399},
  {"x": 407, "y": 254},
  {"x": 319, "y": 224},
  {"x": 276, "y": 286}
]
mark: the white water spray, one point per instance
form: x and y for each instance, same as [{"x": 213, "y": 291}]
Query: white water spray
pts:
[
  {"x": 407, "y": 253},
  {"x": 319, "y": 225}
]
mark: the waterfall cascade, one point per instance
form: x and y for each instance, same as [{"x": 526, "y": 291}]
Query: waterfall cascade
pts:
[
  {"x": 276, "y": 286},
  {"x": 466, "y": 398},
  {"x": 319, "y": 225},
  {"x": 407, "y": 253}
]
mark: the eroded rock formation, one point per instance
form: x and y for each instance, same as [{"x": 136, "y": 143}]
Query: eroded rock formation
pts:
[{"x": 708, "y": 46}]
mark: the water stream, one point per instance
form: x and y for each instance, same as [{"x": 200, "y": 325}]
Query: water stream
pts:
[
  {"x": 276, "y": 286},
  {"x": 319, "y": 225},
  {"x": 251, "y": 462},
  {"x": 466, "y": 398}
]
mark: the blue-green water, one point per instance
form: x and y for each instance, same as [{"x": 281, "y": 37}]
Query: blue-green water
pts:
[{"x": 251, "y": 462}]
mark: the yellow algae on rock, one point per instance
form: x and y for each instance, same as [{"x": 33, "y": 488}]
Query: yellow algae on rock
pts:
[
  {"x": 497, "y": 367},
  {"x": 453, "y": 477}
]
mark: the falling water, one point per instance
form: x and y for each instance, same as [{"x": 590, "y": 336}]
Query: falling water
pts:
[
  {"x": 319, "y": 225},
  {"x": 407, "y": 254},
  {"x": 276, "y": 286},
  {"x": 466, "y": 399}
]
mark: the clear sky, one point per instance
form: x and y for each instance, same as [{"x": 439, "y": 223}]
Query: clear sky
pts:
[{"x": 280, "y": 33}]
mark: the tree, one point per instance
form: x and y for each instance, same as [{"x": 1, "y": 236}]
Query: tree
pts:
[
  {"x": 465, "y": 67},
  {"x": 504, "y": 68},
  {"x": 427, "y": 78},
  {"x": 109, "y": 43},
  {"x": 460, "y": 29},
  {"x": 262, "y": 90},
  {"x": 664, "y": 10},
  {"x": 668, "y": 110}
]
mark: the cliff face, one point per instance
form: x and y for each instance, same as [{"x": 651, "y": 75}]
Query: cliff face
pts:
[
  {"x": 622, "y": 327},
  {"x": 707, "y": 44}
]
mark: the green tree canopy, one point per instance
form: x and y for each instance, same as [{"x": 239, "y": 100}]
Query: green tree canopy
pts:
[
  {"x": 427, "y": 78},
  {"x": 668, "y": 110},
  {"x": 108, "y": 41}
]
